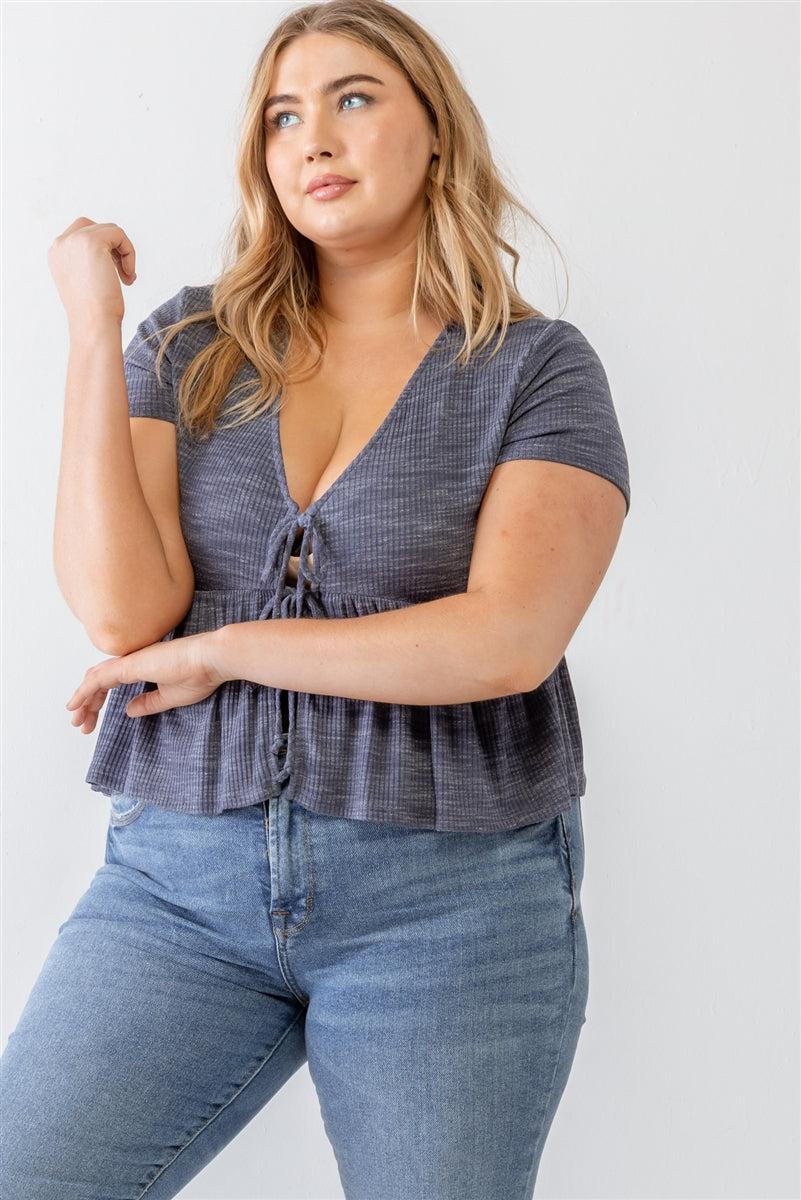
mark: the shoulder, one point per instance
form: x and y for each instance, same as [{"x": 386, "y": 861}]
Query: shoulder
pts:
[
  {"x": 545, "y": 338},
  {"x": 189, "y": 299},
  {"x": 152, "y": 329},
  {"x": 196, "y": 297},
  {"x": 535, "y": 343},
  {"x": 555, "y": 355}
]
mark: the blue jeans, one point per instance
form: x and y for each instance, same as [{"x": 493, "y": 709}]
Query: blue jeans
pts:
[{"x": 435, "y": 982}]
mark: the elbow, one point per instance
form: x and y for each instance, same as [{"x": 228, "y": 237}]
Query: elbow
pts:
[
  {"x": 524, "y": 675},
  {"x": 120, "y": 641},
  {"x": 136, "y": 630},
  {"x": 101, "y": 641},
  {"x": 118, "y": 630},
  {"x": 525, "y": 681},
  {"x": 101, "y": 635},
  {"x": 110, "y": 642},
  {"x": 132, "y": 635},
  {"x": 515, "y": 668},
  {"x": 515, "y": 677}
]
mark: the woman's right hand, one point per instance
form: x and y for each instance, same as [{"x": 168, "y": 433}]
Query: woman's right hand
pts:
[{"x": 87, "y": 262}]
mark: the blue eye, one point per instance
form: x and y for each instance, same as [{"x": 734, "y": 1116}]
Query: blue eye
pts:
[{"x": 275, "y": 120}]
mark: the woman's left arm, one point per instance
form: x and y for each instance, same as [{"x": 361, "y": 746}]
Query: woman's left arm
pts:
[{"x": 544, "y": 539}]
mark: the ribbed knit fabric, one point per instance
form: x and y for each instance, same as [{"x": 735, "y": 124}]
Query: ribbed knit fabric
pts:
[{"x": 395, "y": 529}]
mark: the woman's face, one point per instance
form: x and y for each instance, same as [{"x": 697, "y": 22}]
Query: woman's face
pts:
[{"x": 374, "y": 131}]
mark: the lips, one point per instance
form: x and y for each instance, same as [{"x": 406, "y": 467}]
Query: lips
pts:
[{"x": 323, "y": 181}]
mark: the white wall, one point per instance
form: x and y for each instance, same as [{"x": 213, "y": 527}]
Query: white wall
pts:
[{"x": 659, "y": 143}]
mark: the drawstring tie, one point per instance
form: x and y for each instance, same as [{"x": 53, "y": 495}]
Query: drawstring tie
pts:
[{"x": 288, "y": 601}]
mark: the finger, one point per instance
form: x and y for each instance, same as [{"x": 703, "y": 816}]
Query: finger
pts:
[
  {"x": 101, "y": 678},
  {"x": 84, "y": 720},
  {"x": 89, "y": 708},
  {"x": 147, "y": 703},
  {"x": 87, "y": 696},
  {"x": 124, "y": 252},
  {"x": 88, "y": 725}
]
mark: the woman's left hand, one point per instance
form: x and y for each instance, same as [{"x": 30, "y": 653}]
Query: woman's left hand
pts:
[{"x": 185, "y": 670}]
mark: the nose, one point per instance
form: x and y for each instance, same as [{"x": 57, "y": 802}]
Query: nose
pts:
[{"x": 320, "y": 141}]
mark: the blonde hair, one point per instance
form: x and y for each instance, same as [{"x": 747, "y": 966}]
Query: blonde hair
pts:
[{"x": 265, "y": 300}]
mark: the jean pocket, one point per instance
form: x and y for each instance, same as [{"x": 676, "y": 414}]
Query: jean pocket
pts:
[
  {"x": 570, "y": 861},
  {"x": 124, "y": 809}
]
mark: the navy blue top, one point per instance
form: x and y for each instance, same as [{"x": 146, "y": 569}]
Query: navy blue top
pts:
[{"x": 396, "y": 528}]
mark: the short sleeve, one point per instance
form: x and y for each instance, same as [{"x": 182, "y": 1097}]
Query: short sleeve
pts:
[
  {"x": 563, "y": 409},
  {"x": 146, "y": 396}
]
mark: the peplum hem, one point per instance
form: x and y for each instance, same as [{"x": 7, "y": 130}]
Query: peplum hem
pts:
[{"x": 487, "y": 765}]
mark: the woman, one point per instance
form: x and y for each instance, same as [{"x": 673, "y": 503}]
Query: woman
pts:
[{"x": 355, "y": 840}]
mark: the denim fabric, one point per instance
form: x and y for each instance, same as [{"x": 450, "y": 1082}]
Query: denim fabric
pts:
[
  {"x": 396, "y": 528},
  {"x": 436, "y": 984}
]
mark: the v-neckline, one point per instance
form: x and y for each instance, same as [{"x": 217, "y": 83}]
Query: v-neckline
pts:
[{"x": 368, "y": 445}]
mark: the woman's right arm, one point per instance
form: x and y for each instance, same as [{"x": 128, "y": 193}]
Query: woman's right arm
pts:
[{"x": 118, "y": 550}]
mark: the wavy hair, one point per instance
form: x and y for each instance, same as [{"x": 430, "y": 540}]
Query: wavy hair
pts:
[{"x": 265, "y": 299}]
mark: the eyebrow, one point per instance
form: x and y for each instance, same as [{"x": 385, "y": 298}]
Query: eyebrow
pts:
[{"x": 333, "y": 86}]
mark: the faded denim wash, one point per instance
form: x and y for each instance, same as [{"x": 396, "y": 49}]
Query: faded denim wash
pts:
[{"x": 436, "y": 984}]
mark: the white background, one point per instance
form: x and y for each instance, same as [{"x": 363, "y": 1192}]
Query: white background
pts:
[{"x": 659, "y": 145}]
